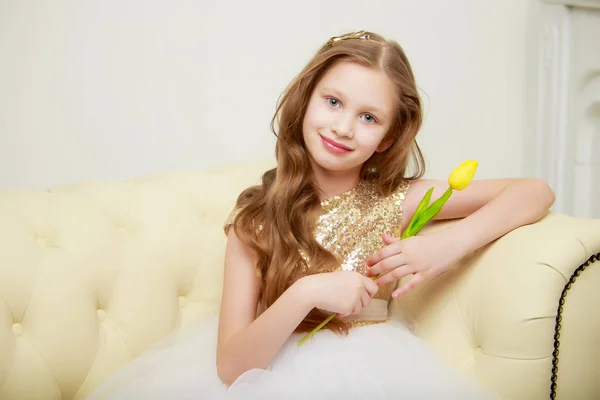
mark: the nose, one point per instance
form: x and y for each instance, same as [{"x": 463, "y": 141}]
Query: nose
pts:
[{"x": 342, "y": 126}]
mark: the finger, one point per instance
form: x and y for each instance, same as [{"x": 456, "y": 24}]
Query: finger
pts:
[
  {"x": 371, "y": 287},
  {"x": 394, "y": 275},
  {"x": 345, "y": 314},
  {"x": 365, "y": 300},
  {"x": 387, "y": 264},
  {"x": 387, "y": 251},
  {"x": 357, "y": 308},
  {"x": 414, "y": 281},
  {"x": 389, "y": 239}
]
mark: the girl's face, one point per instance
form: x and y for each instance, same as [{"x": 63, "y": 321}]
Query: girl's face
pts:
[{"x": 348, "y": 116}]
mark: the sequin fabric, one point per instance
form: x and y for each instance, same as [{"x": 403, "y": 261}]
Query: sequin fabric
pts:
[{"x": 351, "y": 224}]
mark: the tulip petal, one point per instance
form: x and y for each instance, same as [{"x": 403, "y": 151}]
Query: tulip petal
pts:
[{"x": 462, "y": 175}]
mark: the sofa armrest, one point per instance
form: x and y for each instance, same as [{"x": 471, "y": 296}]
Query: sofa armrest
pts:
[{"x": 496, "y": 314}]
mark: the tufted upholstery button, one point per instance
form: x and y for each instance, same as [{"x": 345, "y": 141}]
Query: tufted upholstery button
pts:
[
  {"x": 182, "y": 301},
  {"x": 40, "y": 240},
  {"x": 101, "y": 315},
  {"x": 124, "y": 227},
  {"x": 17, "y": 329}
]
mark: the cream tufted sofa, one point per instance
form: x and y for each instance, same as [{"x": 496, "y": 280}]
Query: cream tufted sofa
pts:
[{"x": 93, "y": 273}]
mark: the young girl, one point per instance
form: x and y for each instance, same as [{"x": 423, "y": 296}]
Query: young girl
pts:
[{"x": 306, "y": 242}]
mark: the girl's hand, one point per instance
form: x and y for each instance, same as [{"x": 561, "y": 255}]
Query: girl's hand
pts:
[
  {"x": 422, "y": 256},
  {"x": 342, "y": 292}
]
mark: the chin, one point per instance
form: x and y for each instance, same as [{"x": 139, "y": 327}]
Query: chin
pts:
[{"x": 333, "y": 163}]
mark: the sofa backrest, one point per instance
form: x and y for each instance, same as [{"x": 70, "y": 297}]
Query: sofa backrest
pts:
[{"x": 93, "y": 273}]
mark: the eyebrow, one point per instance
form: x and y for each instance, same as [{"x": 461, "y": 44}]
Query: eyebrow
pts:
[{"x": 336, "y": 92}]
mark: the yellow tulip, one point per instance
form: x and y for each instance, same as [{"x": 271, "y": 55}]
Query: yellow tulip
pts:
[{"x": 462, "y": 175}]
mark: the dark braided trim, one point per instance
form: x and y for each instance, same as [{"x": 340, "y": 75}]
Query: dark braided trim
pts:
[{"x": 557, "y": 325}]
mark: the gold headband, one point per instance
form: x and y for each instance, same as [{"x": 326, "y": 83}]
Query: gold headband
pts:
[{"x": 354, "y": 35}]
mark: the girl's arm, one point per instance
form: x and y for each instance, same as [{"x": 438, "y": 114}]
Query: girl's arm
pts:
[
  {"x": 244, "y": 342},
  {"x": 487, "y": 209}
]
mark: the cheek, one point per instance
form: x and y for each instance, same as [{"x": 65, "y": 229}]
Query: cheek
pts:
[
  {"x": 317, "y": 115},
  {"x": 372, "y": 138},
  {"x": 307, "y": 122}
]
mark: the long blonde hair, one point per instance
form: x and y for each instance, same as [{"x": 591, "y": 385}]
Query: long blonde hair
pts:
[{"x": 284, "y": 207}]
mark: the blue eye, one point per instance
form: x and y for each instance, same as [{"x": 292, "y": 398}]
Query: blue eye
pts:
[
  {"x": 369, "y": 118},
  {"x": 333, "y": 102}
]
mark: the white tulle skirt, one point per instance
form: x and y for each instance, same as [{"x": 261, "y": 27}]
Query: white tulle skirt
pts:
[{"x": 381, "y": 361}]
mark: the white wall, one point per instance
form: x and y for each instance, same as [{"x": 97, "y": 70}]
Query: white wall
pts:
[
  {"x": 563, "y": 146},
  {"x": 113, "y": 89}
]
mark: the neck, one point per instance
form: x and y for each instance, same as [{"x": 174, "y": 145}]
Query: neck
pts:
[{"x": 333, "y": 183}]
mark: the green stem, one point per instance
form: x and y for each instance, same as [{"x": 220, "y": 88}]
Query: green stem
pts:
[{"x": 322, "y": 324}]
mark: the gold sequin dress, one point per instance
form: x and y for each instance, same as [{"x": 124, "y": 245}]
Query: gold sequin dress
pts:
[
  {"x": 375, "y": 361},
  {"x": 351, "y": 226}
]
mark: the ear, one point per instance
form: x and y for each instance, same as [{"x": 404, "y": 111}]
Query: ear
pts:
[{"x": 384, "y": 145}]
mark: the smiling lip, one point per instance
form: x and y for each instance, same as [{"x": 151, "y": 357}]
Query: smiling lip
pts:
[{"x": 335, "y": 146}]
